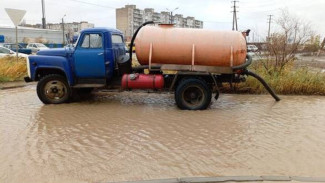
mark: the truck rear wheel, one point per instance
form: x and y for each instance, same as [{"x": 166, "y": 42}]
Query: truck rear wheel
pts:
[
  {"x": 193, "y": 94},
  {"x": 53, "y": 89}
]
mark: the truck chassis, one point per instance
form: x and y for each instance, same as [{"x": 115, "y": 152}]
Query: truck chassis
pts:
[{"x": 193, "y": 85}]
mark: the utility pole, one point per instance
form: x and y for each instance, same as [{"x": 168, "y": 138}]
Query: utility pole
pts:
[
  {"x": 234, "y": 16},
  {"x": 269, "y": 21},
  {"x": 43, "y": 15},
  {"x": 171, "y": 21},
  {"x": 63, "y": 30}
]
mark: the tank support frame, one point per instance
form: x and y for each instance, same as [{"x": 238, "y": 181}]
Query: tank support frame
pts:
[{"x": 197, "y": 70}]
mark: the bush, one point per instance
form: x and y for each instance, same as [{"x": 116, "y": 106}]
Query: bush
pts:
[
  {"x": 11, "y": 69},
  {"x": 300, "y": 81}
]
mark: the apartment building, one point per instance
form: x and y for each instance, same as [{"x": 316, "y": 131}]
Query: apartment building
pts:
[
  {"x": 129, "y": 18},
  {"x": 71, "y": 29},
  {"x": 74, "y": 27}
]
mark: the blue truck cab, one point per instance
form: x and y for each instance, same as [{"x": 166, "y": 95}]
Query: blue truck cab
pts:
[{"x": 91, "y": 63}]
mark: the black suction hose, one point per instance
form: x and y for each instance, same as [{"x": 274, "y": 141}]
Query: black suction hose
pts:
[
  {"x": 244, "y": 65},
  {"x": 266, "y": 86},
  {"x": 134, "y": 36},
  {"x": 250, "y": 73}
]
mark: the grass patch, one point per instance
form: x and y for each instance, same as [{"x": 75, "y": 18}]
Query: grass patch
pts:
[
  {"x": 11, "y": 69},
  {"x": 291, "y": 81}
]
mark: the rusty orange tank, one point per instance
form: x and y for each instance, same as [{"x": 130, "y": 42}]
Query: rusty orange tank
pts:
[{"x": 165, "y": 44}]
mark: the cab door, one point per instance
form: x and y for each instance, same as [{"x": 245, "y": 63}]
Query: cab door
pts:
[
  {"x": 118, "y": 46},
  {"x": 89, "y": 57}
]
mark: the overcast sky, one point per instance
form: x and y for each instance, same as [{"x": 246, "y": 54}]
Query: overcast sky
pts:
[{"x": 216, "y": 14}]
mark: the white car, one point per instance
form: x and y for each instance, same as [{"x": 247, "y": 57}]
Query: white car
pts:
[
  {"x": 252, "y": 48},
  {"x": 5, "y": 52},
  {"x": 35, "y": 47}
]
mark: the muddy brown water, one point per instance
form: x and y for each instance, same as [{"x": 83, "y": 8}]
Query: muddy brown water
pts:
[{"x": 139, "y": 136}]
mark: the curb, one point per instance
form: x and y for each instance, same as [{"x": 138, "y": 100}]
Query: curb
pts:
[
  {"x": 229, "y": 179},
  {"x": 6, "y": 86}
]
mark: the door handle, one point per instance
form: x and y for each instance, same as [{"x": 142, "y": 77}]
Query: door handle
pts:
[{"x": 100, "y": 54}]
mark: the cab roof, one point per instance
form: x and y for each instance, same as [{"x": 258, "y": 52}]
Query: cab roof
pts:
[{"x": 102, "y": 29}]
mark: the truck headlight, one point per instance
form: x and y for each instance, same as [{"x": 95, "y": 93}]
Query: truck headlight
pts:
[{"x": 28, "y": 67}]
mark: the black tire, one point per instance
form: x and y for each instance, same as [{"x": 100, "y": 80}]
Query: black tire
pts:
[
  {"x": 53, "y": 89},
  {"x": 193, "y": 94}
]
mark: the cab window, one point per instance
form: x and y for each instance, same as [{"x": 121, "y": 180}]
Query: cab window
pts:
[
  {"x": 117, "y": 39},
  {"x": 92, "y": 41}
]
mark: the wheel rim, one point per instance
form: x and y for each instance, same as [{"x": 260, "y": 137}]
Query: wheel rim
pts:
[
  {"x": 193, "y": 96},
  {"x": 55, "y": 90}
]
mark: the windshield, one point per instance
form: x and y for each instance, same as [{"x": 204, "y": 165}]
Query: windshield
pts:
[
  {"x": 4, "y": 50},
  {"x": 14, "y": 46},
  {"x": 39, "y": 45}
]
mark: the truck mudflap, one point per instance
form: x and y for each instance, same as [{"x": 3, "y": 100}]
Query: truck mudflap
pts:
[{"x": 27, "y": 79}]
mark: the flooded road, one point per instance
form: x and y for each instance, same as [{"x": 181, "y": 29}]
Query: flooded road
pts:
[{"x": 137, "y": 136}]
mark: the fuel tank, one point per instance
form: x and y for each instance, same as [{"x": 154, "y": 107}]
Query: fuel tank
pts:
[
  {"x": 142, "y": 81},
  {"x": 165, "y": 44}
]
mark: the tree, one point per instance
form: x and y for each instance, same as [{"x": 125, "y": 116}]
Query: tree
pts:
[
  {"x": 321, "y": 46},
  {"x": 283, "y": 44}
]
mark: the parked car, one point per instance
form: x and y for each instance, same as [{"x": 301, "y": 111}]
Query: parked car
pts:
[
  {"x": 69, "y": 46},
  {"x": 21, "y": 49},
  {"x": 37, "y": 47},
  {"x": 252, "y": 48},
  {"x": 4, "y": 52}
]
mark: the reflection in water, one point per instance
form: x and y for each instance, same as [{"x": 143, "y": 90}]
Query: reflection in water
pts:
[{"x": 136, "y": 136}]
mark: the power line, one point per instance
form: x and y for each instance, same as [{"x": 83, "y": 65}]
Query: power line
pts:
[
  {"x": 93, "y": 4},
  {"x": 215, "y": 22},
  {"x": 234, "y": 17}
]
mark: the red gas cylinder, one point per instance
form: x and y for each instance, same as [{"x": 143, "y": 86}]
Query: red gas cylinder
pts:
[{"x": 142, "y": 81}]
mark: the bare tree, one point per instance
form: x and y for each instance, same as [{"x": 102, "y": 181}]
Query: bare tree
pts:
[
  {"x": 8, "y": 39},
  {"x": 41, "y": 40},
  {"x": 283, "y": 44},
  {"x": 321, "y": 46}
]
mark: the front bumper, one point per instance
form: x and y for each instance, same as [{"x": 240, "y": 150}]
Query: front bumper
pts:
[{"x": 27, "y": 79}]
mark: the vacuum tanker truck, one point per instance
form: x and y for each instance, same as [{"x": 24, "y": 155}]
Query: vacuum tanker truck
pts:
[{"x": 191, "y": 63}]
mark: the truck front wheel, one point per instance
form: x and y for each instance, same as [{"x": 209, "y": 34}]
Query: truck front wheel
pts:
[
  {"x": 193, "y": 94},
  {"x": 53, "y": 89}
]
